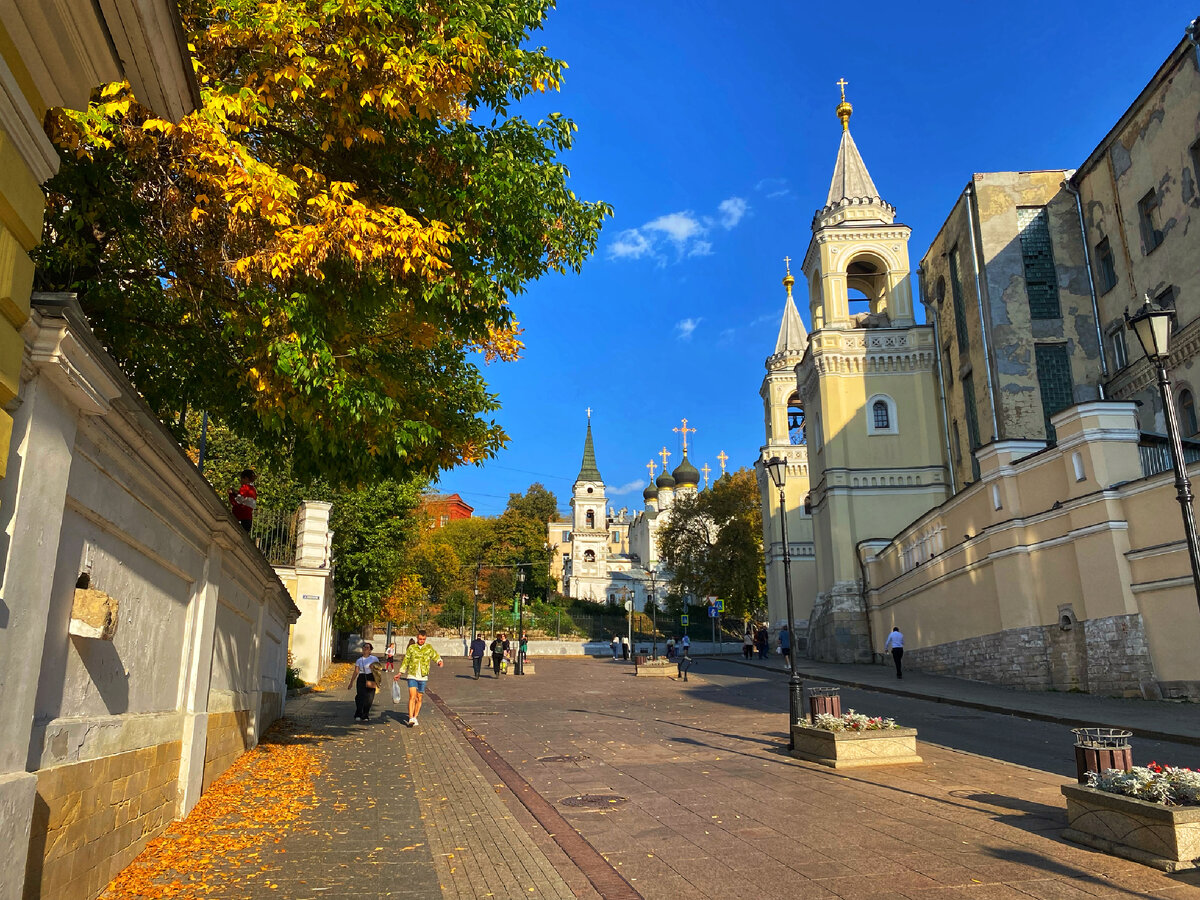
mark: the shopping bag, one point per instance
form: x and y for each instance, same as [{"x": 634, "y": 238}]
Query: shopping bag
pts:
[
  {"x": 504, "y": 667},
  {"x": 397, "y": 692}
]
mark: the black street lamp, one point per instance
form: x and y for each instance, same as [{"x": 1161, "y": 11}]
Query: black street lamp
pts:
[
  {"x": 1152, "y": 325},
  {"x": 777, "y": 468},
  {"x": 520, "y": 618},
  {"x": 654, "y": 610}
]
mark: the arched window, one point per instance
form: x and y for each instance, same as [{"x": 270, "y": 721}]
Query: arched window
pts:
[
  {"x": 795, "y": 420},
  {"x": 1187, "y": 414},
  {"x": 590, "y": 518},
  {"x": 881, "y": 415},
  {"x": 589, "y": 555}
]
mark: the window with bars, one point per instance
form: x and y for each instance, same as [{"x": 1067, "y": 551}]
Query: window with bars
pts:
[
  {"x": 1041, "y": 284},
  {"x": 880, "y": 414},
  {"x": 960, "y": 311},
  {"x": 1119, "y": 351},
  {"x": 1054, "y": 381},
  {"x": 968, "y": 386},
  {"x": 1106, "y": 269}
]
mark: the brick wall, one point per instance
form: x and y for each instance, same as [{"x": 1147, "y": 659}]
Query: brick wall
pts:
[
  {"x": 1102, "y": 656},
  {"x": 229, "y": 737},
  {"x": 92, "y": 818}
]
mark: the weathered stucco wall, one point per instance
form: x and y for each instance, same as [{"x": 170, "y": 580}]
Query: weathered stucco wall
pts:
[
  {"x": 1061, "y": 568},
  {"x": 105, "y": 739}
]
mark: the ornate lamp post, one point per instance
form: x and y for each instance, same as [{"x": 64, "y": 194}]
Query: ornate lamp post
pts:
[
  {"x": 777, "y": 468},
  {"x": 654, "y": 610},
  {"x": 1152, "y": 325}
]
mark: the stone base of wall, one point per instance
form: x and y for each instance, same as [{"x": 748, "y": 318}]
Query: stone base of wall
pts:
[
  {"x": 837, "y": 626},
  {"x": 229, "y": 736},
  {"x": 1107, "y": 656},
  {"x": 92, "y": 818}
]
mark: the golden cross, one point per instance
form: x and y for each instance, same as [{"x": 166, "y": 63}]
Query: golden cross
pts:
[
  {"x": 664, "y": 453},
  {"x": 589, "y": 412},
  {"x": 684, "y": 431},
  {"x": 651, "y": 466},
  {"x": 787, "y": 261},
  {"x": 705, "y": 469},
  {"x": 721, "y": 457},
  {"x": 842, "y": 84}
]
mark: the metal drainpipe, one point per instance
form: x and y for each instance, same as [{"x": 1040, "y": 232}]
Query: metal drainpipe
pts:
[
  {"x": 983, "y": 329},
  {"x": 937, "y": 350},
  {"x": 1087, "y": 262}
]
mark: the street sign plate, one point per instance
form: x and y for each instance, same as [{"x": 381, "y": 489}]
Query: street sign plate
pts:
[
  {"x": 683, "y": 620},
  {"x": 720, "y": 606},
  {"x": 713, "y": 612},
  {"x": 629, "y": 606}
]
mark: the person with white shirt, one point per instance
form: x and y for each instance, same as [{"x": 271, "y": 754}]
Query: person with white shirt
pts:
[
  {"x": 364, "y": 675},
  {"x": 895, "y": 643}
]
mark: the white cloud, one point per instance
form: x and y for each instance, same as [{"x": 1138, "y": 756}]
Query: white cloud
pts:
[
  {"x": 685, "y": 327},
  {"x": 732, "y": 211},
  {"x": 678, "y": 227},
  {"x": 627, "y": 488},
  {"x": 700, "y": 248},
  {"x": 630, "y": 244},
  {"x": 774, "y": 188}
]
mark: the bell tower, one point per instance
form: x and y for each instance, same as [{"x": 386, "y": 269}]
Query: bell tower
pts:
[
  {"x": 868, "y": 388},
  {"x": 589, "y": 528},
  {"x": 787, "y": 436}
]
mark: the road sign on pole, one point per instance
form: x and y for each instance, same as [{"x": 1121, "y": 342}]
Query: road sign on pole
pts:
[
  {"x": 713, "y": 612},
  {"x": 683, "y": 620},
  {"x": 720, "y": 606}
]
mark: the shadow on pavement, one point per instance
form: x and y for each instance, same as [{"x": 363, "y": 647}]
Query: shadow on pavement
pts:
[{"x": 1050, "y": 864}]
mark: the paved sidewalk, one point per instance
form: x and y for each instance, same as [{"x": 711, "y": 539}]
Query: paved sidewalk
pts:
[
  {"x": 707, "y": 803},
  {"x": 1161, "y": 719}
]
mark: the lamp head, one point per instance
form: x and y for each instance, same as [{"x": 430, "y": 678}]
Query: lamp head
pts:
[
  {"x": 776, "y": 467},
  {"x": 1152, "y": 325}
]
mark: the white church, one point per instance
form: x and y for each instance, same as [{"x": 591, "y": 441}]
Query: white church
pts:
[{"x": 608, "y": 556}]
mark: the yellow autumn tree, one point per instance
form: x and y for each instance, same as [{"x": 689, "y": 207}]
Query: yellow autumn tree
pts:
[{"x": 324, "y": 251}]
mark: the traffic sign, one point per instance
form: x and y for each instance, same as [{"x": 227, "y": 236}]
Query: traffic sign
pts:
[
  {"x": 713, "y": 612},
  {"x": 629, "y": 606},
  {"x": 720, "y": 606},
  {"x": 683, "y": 620}
]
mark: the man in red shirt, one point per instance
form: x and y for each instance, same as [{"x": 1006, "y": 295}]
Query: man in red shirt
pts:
[{"x": 244, "y": 499}]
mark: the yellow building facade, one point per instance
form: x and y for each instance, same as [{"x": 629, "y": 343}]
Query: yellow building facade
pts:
[{"x": 54, "y": 55}]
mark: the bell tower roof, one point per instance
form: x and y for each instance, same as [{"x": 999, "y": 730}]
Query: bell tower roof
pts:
[
  {"x": 793, "y": 336},
  {"x": 852, "y": 193},
  {"x": 588, "y": 470}
]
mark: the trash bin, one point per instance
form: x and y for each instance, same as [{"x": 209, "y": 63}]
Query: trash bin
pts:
[
  {"x": 639, "y": 659},
  {"x": 1100, "y": 749},
  {"x": 824, "y": 700}
]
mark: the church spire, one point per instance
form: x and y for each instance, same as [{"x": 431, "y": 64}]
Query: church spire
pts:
[
  {"x": 588, "y": 471},
  {"x": 851, "y": 185},
  {"x": 792, "y": 333}
]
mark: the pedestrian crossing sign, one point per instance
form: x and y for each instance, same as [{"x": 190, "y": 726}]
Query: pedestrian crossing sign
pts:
[
  {"x": 683, "y": 620},
  {"x": 720, "y": 606}
]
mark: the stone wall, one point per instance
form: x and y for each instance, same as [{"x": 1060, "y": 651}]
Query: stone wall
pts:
[
  {"x": 1106, "y": 656},
  {"x": 92, "y": 818},
  {"x": 229, "y": 736},
  {"x": 837, "y": 629},
  {"x": 110, "y": 732}
]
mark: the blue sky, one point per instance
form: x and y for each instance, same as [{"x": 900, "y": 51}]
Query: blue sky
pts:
[{"x": 709, "y": 126}]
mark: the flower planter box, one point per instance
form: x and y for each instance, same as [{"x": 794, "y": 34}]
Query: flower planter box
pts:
[
  {"x": 850, "y": 749},
  {"x": 654, "y": 669},
  {"x": 1165, "y": 837}
]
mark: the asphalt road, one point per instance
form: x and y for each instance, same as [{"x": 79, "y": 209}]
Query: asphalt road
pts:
[{"x": 1010, "y": 738}]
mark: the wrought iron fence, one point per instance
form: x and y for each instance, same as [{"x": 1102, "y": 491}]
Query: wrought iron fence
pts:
[
  {"x": 274, "y": 531},
  {"x": 1154, "y": 451}
]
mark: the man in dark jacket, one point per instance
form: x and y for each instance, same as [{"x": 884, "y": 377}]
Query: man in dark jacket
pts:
[{"x": 478, "y": 648}]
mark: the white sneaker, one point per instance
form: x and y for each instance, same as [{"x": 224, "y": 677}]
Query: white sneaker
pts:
[{"x": 412, "y": 723}]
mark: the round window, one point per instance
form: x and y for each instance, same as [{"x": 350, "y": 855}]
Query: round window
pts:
[{"x": 589, "y": 490}]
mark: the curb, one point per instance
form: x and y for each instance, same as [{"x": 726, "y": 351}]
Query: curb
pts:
[{"x": 1073, "y": 722}]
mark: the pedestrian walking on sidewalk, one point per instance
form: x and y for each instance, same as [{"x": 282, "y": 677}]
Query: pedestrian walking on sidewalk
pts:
[
  {"x": 760, "y": 641},
  {"x": 615, "y": 646},
  {"x": 748, "y": 644},
  {"x": 670, "y": 648},
  {"x": 391, "y": 656},
  {"x": 624, "y": 648},
  {"x": 478, "y": 649},
  {"x": 418, "y": 659},
  {"x": 785, "y": 645},
  {"x": 499, "y": 648},
  {"x": 363, "y": 677},
  {"x": 895, "y": 643}
]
